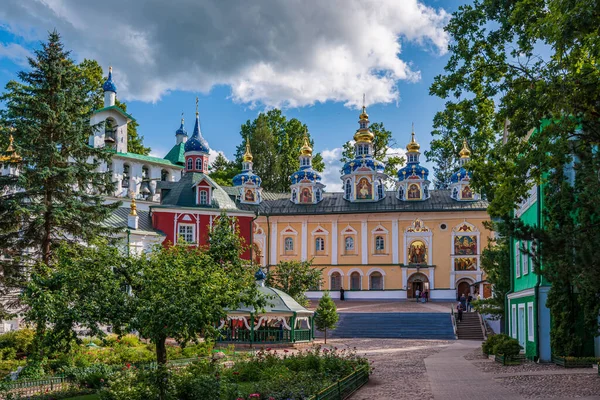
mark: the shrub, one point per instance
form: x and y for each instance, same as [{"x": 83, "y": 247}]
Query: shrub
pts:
[
  {"x": 509, "y": 347},
  {"x": 33, "y": 370},
  {"x": 489, "y": 346},
  {"x": 130, "y": 341},
  {"x": 21, "y": 340},
  {"x": 95, "y": 376}
]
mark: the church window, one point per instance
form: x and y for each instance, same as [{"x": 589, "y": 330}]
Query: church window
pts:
[
  {"x": 190, "y": 164},
  {"x": 401, "y": 193},
  {"x": 289, "y": 244},
  {"x": 126, "y": 176},
  {"x": 186, "y": 233},
  {"x": 336, "y": 281},
  {"x": 363, "y": 124},
  {"x": 425, "y": 192},
  {"x": 376, "y": 281},
  {"x": 164, "y": 175},
  {"x": 319, "y": 244},
  {"x": 455, "y": 193},
  {"x": 379, "y": 244},
  {"x": 305, "y": 161},
  {"x": 318, "y": 195},
  {"x": 380, "y": 190},
  {"x": 203, "y": 197},
  {"x": 348, "y": 189},
  {"x": 355, "y": 281},
  {"x": 294, "y": 195},
  {"x": 349, "y": 244},
  {"x": 145, "y": 174},
  {"x": 199, "y": 164}
]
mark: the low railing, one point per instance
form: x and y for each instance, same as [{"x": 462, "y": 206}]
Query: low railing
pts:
[
  {"x": 453, "y": 319},
  {"x": 265, "y": 336},
  {"x": 302, "y": 335},
  {"x": 345, "y": 387},
  {"x": 31, "y": 387},
  {"x": 272, "y": 336}
]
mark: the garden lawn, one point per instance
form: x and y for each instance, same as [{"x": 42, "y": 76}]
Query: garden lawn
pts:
[{"x": 86, "y": 397}]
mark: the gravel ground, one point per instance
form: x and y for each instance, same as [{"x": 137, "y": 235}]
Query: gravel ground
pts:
[
  {"x": 387, "y": 306},
  {"x": 398, "y": 368},
  {"x": 553, "y": 386}
]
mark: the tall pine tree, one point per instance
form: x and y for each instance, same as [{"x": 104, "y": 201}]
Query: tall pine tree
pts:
[{"x": 57, "y": 195}]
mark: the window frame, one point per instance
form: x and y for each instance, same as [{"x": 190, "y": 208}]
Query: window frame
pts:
[
  {"x": 190, "y": 163},
  {"x": 191, "y": 232},
  {"x": 530, "y": 323},
  {"x": 332, "y": 276},
  {"x": 348, "y": 189},
  {"x": 288, "y": 249},
  {"x": 203, "y": 201},
  {"x": 518, "y": 259},
  {"x": 379, "y": 244},
  {"x": 319, "y": 249},
  {"x": 198, "y": 164},
  {"x": 348, "y": 250},
  {"x": 371, "y": 275}
]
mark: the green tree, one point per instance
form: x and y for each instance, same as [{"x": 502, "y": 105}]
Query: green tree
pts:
[
  {"x": 57, "y": 195},
  {"x": 226, "y": 243},
  {"x": 295, "y": 278},
  {"x": 93, "y": 79},
  {"x": 326, "y": 316},
  {"x": 443, "y": 154},
  {"x": 275, "y": 142},
  {"x": 383, "y": 143},
  {"x": 220, "y": 163},
  {"x": 522, "y": 86}
]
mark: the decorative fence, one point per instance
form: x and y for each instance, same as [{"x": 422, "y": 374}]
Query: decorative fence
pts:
[
  {"x": 343, "y": 388},
  {"x": 575, "y": 362},
  {"x": 265, "y": 336},
  {"x": 509, "y": 360},
  {"x": 30, "y": 387}
]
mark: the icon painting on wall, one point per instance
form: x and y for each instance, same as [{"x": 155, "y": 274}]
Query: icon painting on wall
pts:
[
  {"x": 414, "y": 193},
  {"x": 364, "y": 189},
  {"x": 465, "y": 264},
  {"x": 249, "y": 195},
  {"x": 467, "y": 193},
  {"x": 465, "y": 245},
  {"x": 306, "y": 195},
  {"x": 417, "y": 253}
]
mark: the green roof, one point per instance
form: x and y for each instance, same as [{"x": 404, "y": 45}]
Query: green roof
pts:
[
  {"x": 116, "y": 108},
  {"x": 156, "y": 160},
  {"x": 177, "y": 154},
  {"x": 278, "y": 302}
]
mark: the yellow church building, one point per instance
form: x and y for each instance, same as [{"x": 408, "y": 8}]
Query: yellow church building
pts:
[{"x": 372, "y": 242}]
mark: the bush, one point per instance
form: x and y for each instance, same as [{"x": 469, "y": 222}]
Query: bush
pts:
[
  {"x": 508, "y": 348},
  {"x": 21, "y": 341},
  {"x": 95, "y": 376},
  {"x": 489, "y": 346}
]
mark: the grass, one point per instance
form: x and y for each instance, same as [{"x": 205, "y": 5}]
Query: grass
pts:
[{"x": 86, "y": 397}]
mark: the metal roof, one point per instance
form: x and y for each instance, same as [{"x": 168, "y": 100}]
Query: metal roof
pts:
[{"x": 118, "y": 219}]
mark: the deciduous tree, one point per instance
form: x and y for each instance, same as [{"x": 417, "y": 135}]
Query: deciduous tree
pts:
[{"x": 295, "y": 278}]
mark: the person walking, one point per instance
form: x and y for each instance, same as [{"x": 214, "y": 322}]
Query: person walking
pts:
[
  {"x": 418, "y": 294},
  {"x": 426, "y": 295},
  {"x": 342, "y": 294},
  {"x": 459, "y": 310},
  {"x": 469, "y": 303},
  {"x": 463, "y": 301}
]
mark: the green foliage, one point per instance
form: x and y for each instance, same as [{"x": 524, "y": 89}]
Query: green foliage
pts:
[
  {"x": 226, "y": 243},
  {"x": 295, "y": 278},
  {"x": 20, "y": 341},
  {"x": 443, "y": 154},
  {"x": 275, "y": 142},
  {"x": 501, "y": 344},
  {"x": 49, "y": 201},
  {"x": 522, "y": 86},
  {"x": 383, "y": 142},
  {"x": 326, "y": 316},
  {"x": 223, "y": 171}
]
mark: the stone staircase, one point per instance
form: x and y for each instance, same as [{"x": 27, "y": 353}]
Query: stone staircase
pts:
[
  {"x": 393, "y": 326},
  {"x": 470, "y": 327}
]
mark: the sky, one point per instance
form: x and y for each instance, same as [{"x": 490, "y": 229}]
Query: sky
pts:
[{"x": 312, "y": 58}]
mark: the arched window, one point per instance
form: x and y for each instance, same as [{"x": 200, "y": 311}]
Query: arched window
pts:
[
  {"x": 380, "y": 189},
  {"x": 318, "y": 195},
  {"x": 336, "y": 281},
  {"x": 379, "y": 244},
  {"x": 145, "y": 173},
  {"x": 110, "y": 128},
  {"x": 294, "y": 195},
  {"x": 401, "y": 192},
  {"x": 355, "y": 281},
  {"x": 348, "y": 189},
  {"x": 126, "y": 176},
  {"x": 319, "y": 244},
  {"x": 425, "y": 192},
  {"x": 199, "y": 164},
  {"x": 455, "y": 193},
  {"x": 349, "y": 244},
  {"x": 190, "y": 164},
  {"x": 164, "y": 175},
  {"x": 203, "y": 197},
  {"x": 376, "y": 281},
  {"x": 289, "y": 244}
]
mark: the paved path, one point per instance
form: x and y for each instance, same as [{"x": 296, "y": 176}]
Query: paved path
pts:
[{"x": 452, "y": 377}]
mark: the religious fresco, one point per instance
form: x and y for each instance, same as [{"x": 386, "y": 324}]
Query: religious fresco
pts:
[
  {"x": 467, "y": 193},
  {"x": 465, "y": 264},
  {"x": 414, "y": 192},
  {"x": 364, "y": 189},
  {"x": 417, "y": 253},
  {"x": 417, "y": 226},
  {"x": 465, "y": 245},
  {"x": 306, "y": 195},
  {"x": 249, "y": 195}
]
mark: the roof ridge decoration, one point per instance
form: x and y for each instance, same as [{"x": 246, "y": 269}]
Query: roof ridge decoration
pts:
[
  {"x": 109, "y": 85},
  {"x": 197, "y": 141}
]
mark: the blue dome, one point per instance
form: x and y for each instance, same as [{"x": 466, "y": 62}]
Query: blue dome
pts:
[
  {"x": 305, "y": 173},
  {"x": 181, "y": 130},
  {"x": 369, "y": 162},
  {"x": 418, "y": 170},
  {"x": 197, "y": 142},
  {"x": 462, "y": 173},
  {"x": 247, "y": 176},
  {"x": 109, "y": 85}
]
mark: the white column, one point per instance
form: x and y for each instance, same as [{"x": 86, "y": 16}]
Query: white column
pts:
[
  {"x": 364, "y": 242},
  {"x": 334, "y": 243},
  {"x": 404, "y": 278},
  {"x": 395, "y": 241},
  {"x": 304, "y": 241},
  {"x": 431, "y": 278},
  {"x": 273, "y": 244},
  {"x": 452, "y": 276}
]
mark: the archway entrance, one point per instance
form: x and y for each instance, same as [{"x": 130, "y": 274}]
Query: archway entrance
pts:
[
  {"x": 463, "y": 287},
  {"x": 417, "y": 281}
]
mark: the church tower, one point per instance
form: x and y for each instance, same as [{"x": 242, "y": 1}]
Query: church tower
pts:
[
  {"x": 413, "y": 179},
  {"x": 460, "y": 181},
  {"x": 247, "y": 182},
  {"x": 181, "y": 134},
  {"x": 196, "y": 149},
  {"x": 363, "y": 178},
  {"x": 306, "y": 182}
]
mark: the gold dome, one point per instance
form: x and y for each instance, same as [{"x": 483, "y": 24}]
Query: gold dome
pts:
[
  {"x": 413, "y": 146},
  {"x": 363, "y": 134},
  {"x": 11, "y": 153},
  {"x": 306, "y": 150},
  {"x": 363, "y": 115},
  {"x": 465, "y": 152},
  {"x": 133, "y": 207},
  {"x": 247, "y": 155}
]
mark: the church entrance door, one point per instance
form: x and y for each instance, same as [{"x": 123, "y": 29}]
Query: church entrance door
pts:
[
  {"x": 463, "y": 288},
  {"x": 417, "y": 281}
]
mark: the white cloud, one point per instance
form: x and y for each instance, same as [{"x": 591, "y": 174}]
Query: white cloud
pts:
[
  {"x": 15, "y": 52},
  {"x": 212, "y": 155},
  {"x": 269, "y": 52}
]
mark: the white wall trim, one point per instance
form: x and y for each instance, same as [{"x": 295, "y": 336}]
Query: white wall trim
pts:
[
  {"x": 332, "y": 270},
  {"x": 395, "y": 241},
  {"x": 522, "y": 293},
  {"x": 334, "y": 243},
  {"x": 273, "y": 249},
  {"x": 304, "y": 244},
  {"x": 364, "y": 243}
]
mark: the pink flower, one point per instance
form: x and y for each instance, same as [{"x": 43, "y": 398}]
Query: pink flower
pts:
[
  {"x": 254, "y": 396},
  {"x": 268, "y": 349},
  {"x": 285, "y": 351}
]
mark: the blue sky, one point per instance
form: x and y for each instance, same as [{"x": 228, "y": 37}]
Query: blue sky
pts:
[{"x": 242, "y": 61}]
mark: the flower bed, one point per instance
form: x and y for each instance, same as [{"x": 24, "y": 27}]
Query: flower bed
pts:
[
  {"x": 508, "y": 360},
  {"x": 575, "y": 362}
]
